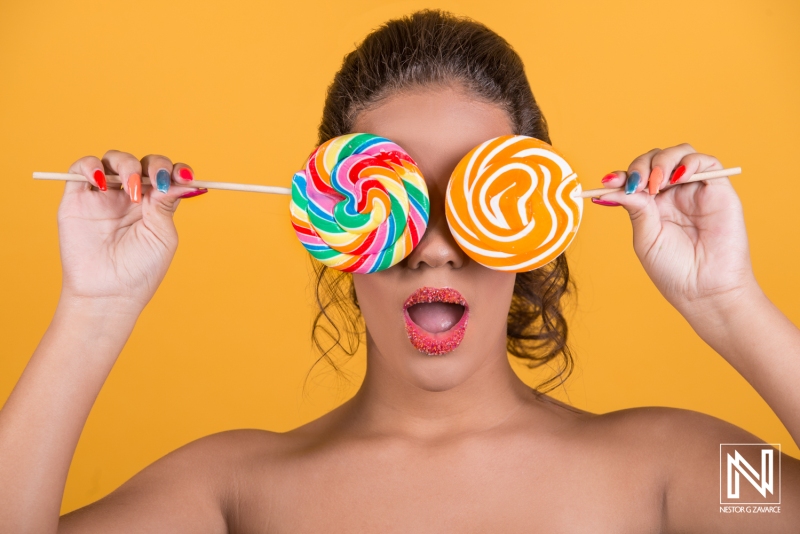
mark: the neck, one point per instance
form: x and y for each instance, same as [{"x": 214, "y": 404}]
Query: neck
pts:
[{"x": 389, "y": 402}]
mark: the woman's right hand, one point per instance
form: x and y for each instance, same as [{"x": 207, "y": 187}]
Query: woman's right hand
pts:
[{"x": 116, "y": 245}]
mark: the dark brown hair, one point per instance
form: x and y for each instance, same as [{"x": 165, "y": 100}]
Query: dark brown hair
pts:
[{"x": 427, "y": 48}]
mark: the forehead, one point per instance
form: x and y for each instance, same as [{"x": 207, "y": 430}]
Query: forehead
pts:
[{"x": 436, "y": 125}]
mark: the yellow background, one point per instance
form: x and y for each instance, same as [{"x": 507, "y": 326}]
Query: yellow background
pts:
[{"x": 235, "y": 89}]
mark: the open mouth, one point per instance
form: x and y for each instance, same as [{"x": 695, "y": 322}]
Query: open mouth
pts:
[{"x": 436, "y": 319}]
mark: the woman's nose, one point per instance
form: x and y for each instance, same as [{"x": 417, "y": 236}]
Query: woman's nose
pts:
[{"x": 437, "y": 248}]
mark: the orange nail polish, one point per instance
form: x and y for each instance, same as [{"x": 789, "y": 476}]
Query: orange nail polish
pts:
[
  {"x": 135, "y": 187},
  {"x": 656, "y": 175}
]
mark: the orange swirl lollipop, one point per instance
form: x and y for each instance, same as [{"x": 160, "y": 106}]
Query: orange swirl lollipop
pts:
[{"x": 513, "y": 203}]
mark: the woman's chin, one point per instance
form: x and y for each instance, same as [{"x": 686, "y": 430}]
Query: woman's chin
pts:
[
  {"x": 438, "y": 373},
  {"x": 441, "y": 376}
]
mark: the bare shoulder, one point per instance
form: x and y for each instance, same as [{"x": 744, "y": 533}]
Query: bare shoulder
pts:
[
  {"x": 663, "y": 424},
  {"x": 663, "y": 427},
  {"x": 217, "y": 457},
  {"x": 690, "y": 449},
  {"x": 192, "y": 489},
  {"x": 679, "y": 435},
  {"x": 681, "y": 441},
  {"x": 232, "y": 446}
]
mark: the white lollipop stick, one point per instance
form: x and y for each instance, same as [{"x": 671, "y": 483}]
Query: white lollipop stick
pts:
[{"x": 229, "y": 186}]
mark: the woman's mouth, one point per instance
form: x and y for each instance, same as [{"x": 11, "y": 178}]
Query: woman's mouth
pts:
[{"x": 436, "y": 319}]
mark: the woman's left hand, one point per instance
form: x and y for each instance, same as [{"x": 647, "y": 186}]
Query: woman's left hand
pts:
[{"x": 690, "y": 238}]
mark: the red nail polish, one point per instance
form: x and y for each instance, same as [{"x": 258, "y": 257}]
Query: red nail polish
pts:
[
  {"x": 677, "y": 173},
  {"x": 601, "y": 202},
  {"x": 186, "y": 174},
  {"x": 194, "y": 193},
  {"x": 608, "y": 177},
  {"x": 100, "y": 178}
]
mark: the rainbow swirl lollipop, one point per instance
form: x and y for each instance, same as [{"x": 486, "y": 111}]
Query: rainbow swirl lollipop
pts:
[
  {"x": 513, "y": 204},
  {"x": 360, "y": 205}
]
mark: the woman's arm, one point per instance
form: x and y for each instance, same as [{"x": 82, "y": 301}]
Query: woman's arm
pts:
[
  {"x": 692, "y": 242},
  {"x": 760, "y": 342},
  {"x": 42, "y": 419},
  {"x": 114, "y": 254}
]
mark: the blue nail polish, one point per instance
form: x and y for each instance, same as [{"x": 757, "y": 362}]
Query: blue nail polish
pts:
[
  {"x": 632, "y": 182},
  {"x": 162, "y": 180}
]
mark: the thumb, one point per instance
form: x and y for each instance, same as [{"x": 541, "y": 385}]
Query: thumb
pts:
[
  {"x": 158, "y": 208},
  {"x": 641, "y": 207}
]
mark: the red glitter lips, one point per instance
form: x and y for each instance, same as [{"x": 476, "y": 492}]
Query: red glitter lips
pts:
[{"x": 436, "y": 319}]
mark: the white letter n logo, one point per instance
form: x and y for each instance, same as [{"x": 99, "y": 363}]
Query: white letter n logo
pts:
[{"x": 738, "y": 465}]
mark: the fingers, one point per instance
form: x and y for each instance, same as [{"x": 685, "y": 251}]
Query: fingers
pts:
[
  {"x": 166, "y": 173},
  {"x": 129, "y": 170},
  {"x": 648, "y": 171},
  {"x": 91, "y": 168},
  {"x": 182, "y": 173},
  {"x": 164, "y": 191},
  {"x": 653, "y": 171},
  {"x": 669, "y": 163},
  {"x": 657, "y": 168},
  {"x": 160, "y": 169},
  {"x": 635, "y": 179},
  {"x": 693, "y": 163},
  {"x": 639, "y": 172},
  {"x": 168, "y": 180}
]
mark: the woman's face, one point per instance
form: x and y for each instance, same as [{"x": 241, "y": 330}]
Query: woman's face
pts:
[{"x": 437, "y": 317}]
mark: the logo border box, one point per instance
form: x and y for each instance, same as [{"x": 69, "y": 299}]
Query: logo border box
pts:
[{"x": 777, "y": 446}]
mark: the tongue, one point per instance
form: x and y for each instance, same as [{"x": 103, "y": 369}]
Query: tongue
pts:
[{"x": 436, "y": 316}]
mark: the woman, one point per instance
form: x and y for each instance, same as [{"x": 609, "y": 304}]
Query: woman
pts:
[{"x": 430, "y": 443}]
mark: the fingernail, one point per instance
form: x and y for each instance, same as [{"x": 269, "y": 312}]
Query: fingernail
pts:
[
  {"x": 100, "y": 178},
  {"x": 194, "y": 193},
  {"x": 135, "y": 187},
  {"x": 677, "y": 173},
  {"x": 608, "y": 177},
  {"x": 601, "y": 202},
  {"x": 656, "y": 175},
  {"x": 632, "y": 182},
  {"x": 162, "y": 180},
  {"x": 186, "y": 174}
]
